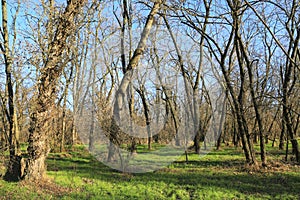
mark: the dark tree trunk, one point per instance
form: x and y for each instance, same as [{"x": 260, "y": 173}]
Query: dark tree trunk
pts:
[
  {"x": 13, "y": 172},
  {"x": 15, "y": 168},
  {"x": 141, "y": 92},
  {"x": 220, "y": 130},
  {"x": 286, "y": 90},
  {"x": 281, "y": 139},
  {"x": 197, "y": 139},
  {"x": 294, "y": 142}
]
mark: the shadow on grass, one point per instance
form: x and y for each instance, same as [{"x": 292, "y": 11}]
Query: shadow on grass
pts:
[
  {"x": 208, "y": 164},
  {"x": 244, "y": 183},
  {"x": 192, "y": 176}
]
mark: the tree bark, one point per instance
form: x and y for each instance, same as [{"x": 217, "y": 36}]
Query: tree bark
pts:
[
  {"x": 13, "y": 172},
  {"x": 44, "y": 99},
  {"x": 141, "y": 92},
  {"x": 127, "y": 78},
  {"x": 286, "y": 88}
]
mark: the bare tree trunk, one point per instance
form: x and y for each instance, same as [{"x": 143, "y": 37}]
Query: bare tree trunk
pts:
[
  {"x": 223, "y": 114},
  {"x": 133, "y": 63},
  {"x": 282, "y": 134},
  {"x": 44, "y": 100},
  {"x": 93, "y": 108},
  {"x": 92, "y": 129},
  {"x": 141, "y": 92},
  {"x": 131, "y": 100},
  {"x": 64, "y": 110},
  {"x": 13, "y": 172},
  {"x": 286, "y": 88},
  {"x": 242, "y": 123},
  {"x": 289, "y": 129},
  {"x": 244, "y": 56}
]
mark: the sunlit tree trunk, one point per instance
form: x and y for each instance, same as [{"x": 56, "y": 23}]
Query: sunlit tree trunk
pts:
[
  {"x": 44, "y": 99},
  {"x": 127, "y": 78}
]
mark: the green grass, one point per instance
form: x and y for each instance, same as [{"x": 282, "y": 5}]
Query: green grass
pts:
[{"x": 218, "y": 175}]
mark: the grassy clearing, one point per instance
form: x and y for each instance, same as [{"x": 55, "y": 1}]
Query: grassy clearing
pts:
[{"x": 218, "y": 175}]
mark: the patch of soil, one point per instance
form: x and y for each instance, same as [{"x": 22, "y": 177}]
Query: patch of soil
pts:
[
  {"x": 46, "y": 186},
  {"x": 272, "y": 166}
]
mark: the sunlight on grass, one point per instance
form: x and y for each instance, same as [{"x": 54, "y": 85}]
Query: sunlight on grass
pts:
[{"x": 218, "y": 175}]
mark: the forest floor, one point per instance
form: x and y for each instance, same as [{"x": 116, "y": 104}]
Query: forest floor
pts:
[{"x": 220, "y": 174}]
